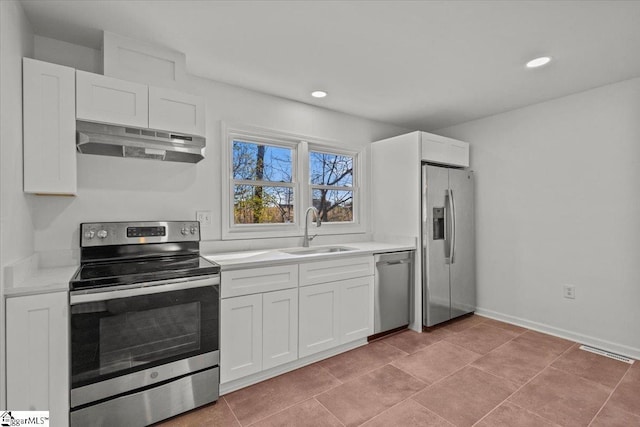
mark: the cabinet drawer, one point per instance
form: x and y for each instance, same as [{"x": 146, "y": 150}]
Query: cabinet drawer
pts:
[
  {"x": 336, "y": 269},
  {"x": 257, "y": 280}
]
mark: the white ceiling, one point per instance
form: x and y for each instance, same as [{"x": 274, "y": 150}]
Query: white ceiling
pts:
[{"x": 418, "y": 64}]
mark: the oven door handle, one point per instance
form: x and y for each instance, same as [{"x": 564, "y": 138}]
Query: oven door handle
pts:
[{"x": 149, "y": 288}]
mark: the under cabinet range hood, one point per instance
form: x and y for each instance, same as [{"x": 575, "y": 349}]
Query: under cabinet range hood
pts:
[{"x": 126, "y": 141}]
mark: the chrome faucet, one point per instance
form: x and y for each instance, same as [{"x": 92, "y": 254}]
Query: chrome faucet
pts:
[{"x": 307, "y": 239}]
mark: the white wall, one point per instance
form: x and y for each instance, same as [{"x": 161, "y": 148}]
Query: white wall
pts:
[
  {"x": 558, "y": 202},
  {"x": 113, "y": 189},
  {"x": 16, "y": 232}
]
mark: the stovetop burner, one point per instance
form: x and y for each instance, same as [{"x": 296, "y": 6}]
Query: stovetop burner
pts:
[{"x": 124, "y": 253}]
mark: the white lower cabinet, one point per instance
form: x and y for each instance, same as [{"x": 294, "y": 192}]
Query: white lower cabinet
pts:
[
  {"x": 356, "y": 308},
  {"x": 319, "y": 318},
  {"x": 240, "y": 337},
  {"x": 335, "y": 313},
  {"x": 279, "y": 327},
  {"x": 258, "y": 332},
  {"x": 37, "y": 337},
  {"x": 272, "y": 316}
]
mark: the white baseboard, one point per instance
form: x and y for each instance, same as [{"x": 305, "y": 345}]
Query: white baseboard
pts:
[{"x": 621, "y": 349}]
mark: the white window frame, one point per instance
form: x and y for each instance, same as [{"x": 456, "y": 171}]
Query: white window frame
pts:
[
  {"x": 356, "y": 178},
  {"x": 301, "y": 184}
]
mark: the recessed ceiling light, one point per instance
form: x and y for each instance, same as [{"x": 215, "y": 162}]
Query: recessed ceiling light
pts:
[
  {"x": 319, "y": 94},
  {"x": 539, "y": 62}
]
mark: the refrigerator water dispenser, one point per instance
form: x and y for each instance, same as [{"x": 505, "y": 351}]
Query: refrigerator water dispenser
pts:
[{"x": 438, "y": 223}]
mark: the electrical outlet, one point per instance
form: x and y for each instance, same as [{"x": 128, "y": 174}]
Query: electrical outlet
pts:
[
  {"x": 569, "y": 291},
  {"x": 204, "y": 217}
]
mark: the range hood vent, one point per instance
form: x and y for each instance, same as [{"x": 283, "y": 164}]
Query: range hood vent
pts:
[{"x": 121, "y": 141}]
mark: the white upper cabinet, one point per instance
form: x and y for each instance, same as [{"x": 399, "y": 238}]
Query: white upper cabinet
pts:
[
  {"x": 49, "y": 128},
  {"x": 176, "y": 111},
  {"x": 442, "y": 150},
  {"x": 107, "y": 100}
]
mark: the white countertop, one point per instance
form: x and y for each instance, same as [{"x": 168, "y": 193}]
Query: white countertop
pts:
[
  {"x": 262, "y": 258},
  {"x": 42, "y": 280},
  {"x": 26, "y": 277}
]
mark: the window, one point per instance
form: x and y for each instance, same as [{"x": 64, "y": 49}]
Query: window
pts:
[
  {"x": 263, "y": 186},
  {"x": 331, "y": 179},
  {"x": 270, "y": 178}
]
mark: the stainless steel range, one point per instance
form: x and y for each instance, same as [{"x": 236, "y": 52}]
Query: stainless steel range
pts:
[{"x": 144, "y": 324}]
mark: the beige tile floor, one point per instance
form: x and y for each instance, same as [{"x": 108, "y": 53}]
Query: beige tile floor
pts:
[{"x": 472, "y": 371}]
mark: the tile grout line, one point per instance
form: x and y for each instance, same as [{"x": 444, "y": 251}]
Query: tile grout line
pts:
[
  {"x": 390, "y": 363},
  {"x": 446, "y": 376},
  {"x": 610, "y": 395},
  {"x": 523, "y": 385},
  {"x": 495, "y": 348},
  {"x": 360, "y": 375},
  {"x": 277, "y": 412},
  {"x": 329, "y": 411},
  {"x": 322, "y": 392},
  {"x": 408, "y": 398},
  {"x": 595, "y": 383},
  {"x": 297, "y": 401},
  {"x": 428, "y": 384},
  {"x": 333, "y": 376},
  {"x": 396, "y": 404},
  {"x": 232, "y": 413}
]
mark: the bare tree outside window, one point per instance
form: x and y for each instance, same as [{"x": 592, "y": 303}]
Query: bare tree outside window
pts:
[
  {"x": 262, "y": 183},
  {"x": 332, "y": 186}
]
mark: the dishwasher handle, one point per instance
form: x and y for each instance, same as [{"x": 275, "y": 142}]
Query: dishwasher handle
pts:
[{"x": 400, "y": 261}]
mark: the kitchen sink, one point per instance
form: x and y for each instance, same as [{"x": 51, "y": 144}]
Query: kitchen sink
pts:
[{"x": 319, "y": 250}]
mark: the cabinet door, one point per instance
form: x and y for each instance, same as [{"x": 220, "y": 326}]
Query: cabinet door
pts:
[
  {"x": 319, "y": 318},
  {"x": 279, "y": 327},
  {"x": 176, "y": 111},
  {"x": 356, "y": 308},
  {"x": 49, "y": 128},
  {"x": 108, "y": 100},
  {"x": 443, "y": 150},
  {"x": 38, "y": 355},
  {"x": 240, "y": 337}
]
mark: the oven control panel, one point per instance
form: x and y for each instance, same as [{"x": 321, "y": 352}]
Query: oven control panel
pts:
[{"x": 127, "y": 233}]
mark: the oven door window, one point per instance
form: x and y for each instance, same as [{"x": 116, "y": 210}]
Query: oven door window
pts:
[{"x": 119, "y": 336}]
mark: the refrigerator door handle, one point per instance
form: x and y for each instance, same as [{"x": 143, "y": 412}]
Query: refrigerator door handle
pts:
[{"x": 452, "y": 245}]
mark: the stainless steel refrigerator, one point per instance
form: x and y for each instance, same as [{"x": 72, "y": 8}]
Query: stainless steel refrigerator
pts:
[{"x": 448, "y": 244}]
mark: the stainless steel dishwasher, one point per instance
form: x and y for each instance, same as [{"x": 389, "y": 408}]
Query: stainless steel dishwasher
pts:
[{"x": 393, "y": 284}]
